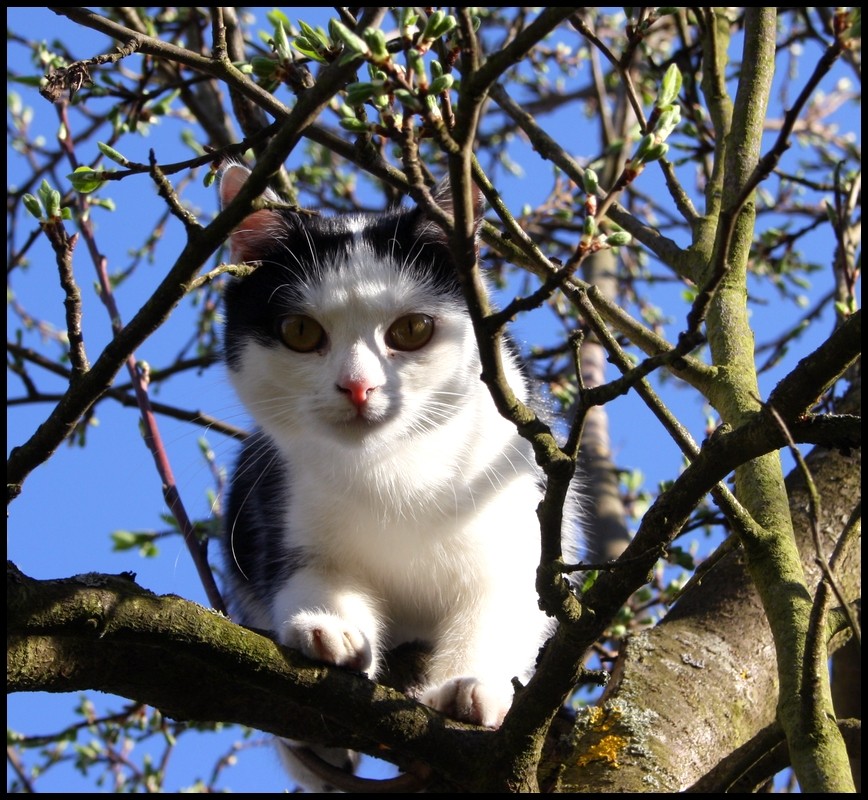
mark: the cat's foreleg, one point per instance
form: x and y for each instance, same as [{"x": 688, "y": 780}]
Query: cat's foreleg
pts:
[
  {"x": 331, "y": 620},
  {"x": 328, "y": 620},
  {"x": 475, "y": 660}
]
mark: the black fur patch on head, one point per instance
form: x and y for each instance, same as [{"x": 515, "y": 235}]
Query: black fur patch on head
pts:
[{"x": 308, "y": 246}]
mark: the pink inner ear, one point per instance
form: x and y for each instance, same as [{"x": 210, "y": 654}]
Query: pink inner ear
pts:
[
  {"x": 247, "y": 241},
  {"x": 231, "y": 181}
]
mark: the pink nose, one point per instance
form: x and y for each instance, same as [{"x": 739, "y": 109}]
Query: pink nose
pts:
[{"x": 358, "y": 390}]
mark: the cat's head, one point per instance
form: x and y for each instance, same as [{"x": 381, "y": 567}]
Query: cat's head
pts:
[{"x": 352, "y": 329}]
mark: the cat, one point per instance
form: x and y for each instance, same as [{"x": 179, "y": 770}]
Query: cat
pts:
[{"x": 382, "y": 499}]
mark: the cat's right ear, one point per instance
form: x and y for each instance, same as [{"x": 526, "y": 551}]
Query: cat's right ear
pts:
[
  {"x": 442, "y": 194},
  {"x": 257, "y": 230}
]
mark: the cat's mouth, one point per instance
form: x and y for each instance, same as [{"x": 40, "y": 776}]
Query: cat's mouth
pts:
[{"x": 362, "y": 423}]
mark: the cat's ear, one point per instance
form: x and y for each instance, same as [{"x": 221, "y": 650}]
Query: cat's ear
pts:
[
  {"x": 442, "y": 195},
  {"x": 257, "y": 230}
]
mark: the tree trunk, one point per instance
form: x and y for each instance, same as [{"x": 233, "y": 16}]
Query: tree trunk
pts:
[{"x": 704, "y": 681}]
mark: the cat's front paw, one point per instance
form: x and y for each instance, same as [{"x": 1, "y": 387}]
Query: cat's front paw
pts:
[
  {"x": 329, "y": 638},
  {"x": 470, "y": 700}
]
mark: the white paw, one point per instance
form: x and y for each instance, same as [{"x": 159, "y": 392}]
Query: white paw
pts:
[
  {"x": 329, "y": 638},
  {"x": 469, "y": 700}
]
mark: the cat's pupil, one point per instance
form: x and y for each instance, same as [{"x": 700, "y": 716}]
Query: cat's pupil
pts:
[
  {"x": 410, "y": 332},
  {"x": 302, "y": 333}
]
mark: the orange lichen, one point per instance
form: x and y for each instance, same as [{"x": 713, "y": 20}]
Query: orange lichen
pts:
[
  {"x": 595, "y": 715},
  {"x": 602, "y": 718},
  {"x": 607, "y": 749}
]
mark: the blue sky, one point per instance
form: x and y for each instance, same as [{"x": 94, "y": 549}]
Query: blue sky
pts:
[{"x": 61, "y": 524}]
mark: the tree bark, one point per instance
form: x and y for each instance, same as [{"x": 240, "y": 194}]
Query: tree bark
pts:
[
  {"x": 704, "y": 681},
  {"x": 105, "y": 632}
]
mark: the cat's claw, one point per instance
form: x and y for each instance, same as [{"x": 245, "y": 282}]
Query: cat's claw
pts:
[
  {"x": 329, "y": 638},
  {"x": 469, "y": 700}
]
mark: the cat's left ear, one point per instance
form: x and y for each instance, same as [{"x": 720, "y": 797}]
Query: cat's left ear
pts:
[{"x": 257, "y": 230}]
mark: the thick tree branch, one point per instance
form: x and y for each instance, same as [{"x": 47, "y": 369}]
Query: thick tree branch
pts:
[
  {"x": 703, "y": 682},
  {"x": 105, "y": 632}
]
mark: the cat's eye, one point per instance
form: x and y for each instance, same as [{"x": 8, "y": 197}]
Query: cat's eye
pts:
[
  {"x": 302, "y": 333},
  {"x": 410, "y": 332}
]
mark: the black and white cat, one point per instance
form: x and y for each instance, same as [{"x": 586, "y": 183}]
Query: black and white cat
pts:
[{"x": 383, "y": 499}]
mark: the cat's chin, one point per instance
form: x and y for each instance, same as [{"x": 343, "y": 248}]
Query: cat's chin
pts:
[{"x": 360, "y": 430}]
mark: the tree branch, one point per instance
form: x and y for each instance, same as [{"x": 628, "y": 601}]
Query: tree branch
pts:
[{"x": 194, "y": 664}]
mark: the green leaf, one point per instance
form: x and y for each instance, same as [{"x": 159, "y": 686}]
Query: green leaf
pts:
[
  {"x": 304, "y": 46},
  {"x": 27, "y": 80},
  {"x": 409, "y": 18},
  {"x": 114, "y": 155},
  {"x": 281, "y": 42},
  {"x": 276, "y": 17},
  {"x": 149, "y": 550},
  {"x": 590, "y": 578},
  {"x": 355, "y": 46},
  {"x": 441, "y": 84},
  {"x": 358, "y": 93},
  {"x": 656, "y": 152},
  {"x": 619, "y": 239},
  {"x": 189, "y": 139},
  {"x": 107, "y": 203},
  {"x": 315, "y": 36},
  {"x": 263, "y": 66},
  {"x": 162, "y": 108},
  {"x": 681, "y": 558},
  {"x": 85, "y": 180},
  {"x": 439, "y": 24},
  {"x": 50, "y": 199},
  {"x": 646, "y": 143},
  {"x": 669, "y": 87},
  {"x": 417, "y": 65},
  {"x": 408, "y": 100},
  {"x": 124, "y": 540},
  {"x": 377, "y": 42},
  {"x": 667, "y": 122},
  {"x": 855, "y": 30},
  {"x": 435, "y": 19},
  {"x": 354, "y": 125},
  {"x": 846, "y": 309},
  {"x": 168, "y": 518},
  {"x": 32, "y": 205}
]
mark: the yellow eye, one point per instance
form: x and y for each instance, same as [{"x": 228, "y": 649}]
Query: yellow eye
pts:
[
  {"x": 301, "y": 333},
  {"x": 410, "y": 332}
]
